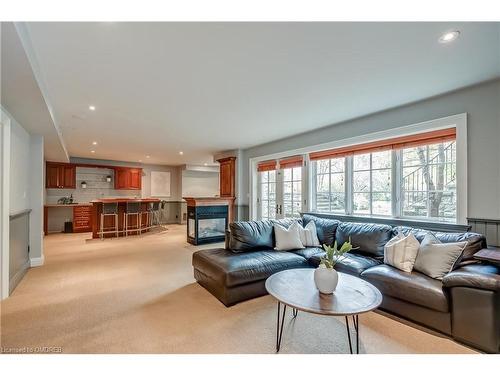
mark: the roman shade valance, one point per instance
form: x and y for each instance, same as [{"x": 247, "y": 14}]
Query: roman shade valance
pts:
[
  {"x": 268, "y": 165},
  {"x": 292, "y": 162},
  {"x": 414, "y": 140}
]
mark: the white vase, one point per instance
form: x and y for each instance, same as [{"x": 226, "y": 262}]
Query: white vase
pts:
[{"x": 326, "y": 279}]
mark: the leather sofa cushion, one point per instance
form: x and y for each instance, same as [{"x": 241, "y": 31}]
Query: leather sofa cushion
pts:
[
  {"x": 250, "y": 235},
  {"x": 480, "y": 276},
  {"x": 412, "y": 287},
  {"x": 326, "y": 228},
  {"x": 370, "y": 238},
  {"x": 475, "y": 241},
  {"x": 308, "y": 252},
  {"x": 254, "y": 235},
  {"x": 353, "y": 264},
  {"x": 230, "y": 269}
]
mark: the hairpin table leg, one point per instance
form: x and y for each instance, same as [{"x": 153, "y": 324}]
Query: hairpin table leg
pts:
[{"x": 279, "y": 330}]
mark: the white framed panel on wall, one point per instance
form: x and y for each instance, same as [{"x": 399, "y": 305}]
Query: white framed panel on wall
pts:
[{"x": 160, "y": 184}]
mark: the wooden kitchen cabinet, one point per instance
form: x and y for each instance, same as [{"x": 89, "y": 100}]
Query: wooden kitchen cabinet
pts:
[
  {"x": 128, "y": 178},
  {"x": 82, "y": 219},
  {"x": 60, "y": 176},
  {"x": 227, "y": 177},
  {"x": 135, "y": 178},
  {"x": 52, "y": 176}
]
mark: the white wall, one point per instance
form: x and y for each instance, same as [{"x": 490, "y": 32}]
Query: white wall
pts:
[
  {"x": 36, "y": 196},
  {"x": 19, "y": 168},
  {"x": 27, "y": 184},
  {"x": 22, "y": 188},
  {"x": 4, "y": 203},
  {"x": 480, "y": 102},
  {"x": 200, "y": 184}
]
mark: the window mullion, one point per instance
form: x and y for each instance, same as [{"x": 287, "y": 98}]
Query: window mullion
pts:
[
  {"x": 396, "y": 182},
  {"x": 348, "y": 185},
  {"x": 371, "y": 184}
]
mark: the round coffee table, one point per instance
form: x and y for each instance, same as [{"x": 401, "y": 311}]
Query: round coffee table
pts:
[{"x": 295, "y": 288}]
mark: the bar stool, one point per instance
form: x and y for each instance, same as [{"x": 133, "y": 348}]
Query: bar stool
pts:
[
  {"x": 132, "y": 209},
  {"x": 109, "y": 209},
  {"x": 153, "y": 214}
]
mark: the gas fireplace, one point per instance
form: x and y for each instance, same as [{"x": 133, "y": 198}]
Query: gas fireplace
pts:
[{"x": 206, "y": 223}]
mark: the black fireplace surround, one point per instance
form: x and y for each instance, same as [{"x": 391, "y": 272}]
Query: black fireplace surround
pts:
[
  {"x": 206, "y": 224},
  {"x": 464, "y": 306}
]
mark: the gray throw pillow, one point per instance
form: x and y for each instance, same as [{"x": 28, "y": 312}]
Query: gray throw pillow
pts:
[{"x": 436, "y": 259}]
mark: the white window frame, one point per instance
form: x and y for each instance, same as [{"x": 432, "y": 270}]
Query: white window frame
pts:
[
  {"x": 459, "y": 121},
  {"x": 259, "y": 191}
]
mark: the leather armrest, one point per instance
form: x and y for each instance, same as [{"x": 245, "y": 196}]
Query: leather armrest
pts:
[{"x": 480, "y": 276}]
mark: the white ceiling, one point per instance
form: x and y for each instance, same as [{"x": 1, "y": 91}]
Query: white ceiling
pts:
[
  {"x": 160, "y": 88},
  {"x": 21, "y": 94}
]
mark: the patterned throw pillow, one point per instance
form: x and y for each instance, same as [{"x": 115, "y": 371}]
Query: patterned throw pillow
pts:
[
  {"x": 308, "y": 234},
  {"x": 401, "y": 252}
]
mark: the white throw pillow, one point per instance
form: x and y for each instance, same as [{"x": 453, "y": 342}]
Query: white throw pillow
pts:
[
  {"x": 401, "y": 252},
  {"x": 308, "y": 234},
  {"x": 436, "y": 259},
  {"x": 287, "y": 239}
]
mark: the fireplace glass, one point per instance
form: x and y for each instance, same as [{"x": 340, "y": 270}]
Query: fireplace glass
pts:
[{"x": 211, "y": 227}]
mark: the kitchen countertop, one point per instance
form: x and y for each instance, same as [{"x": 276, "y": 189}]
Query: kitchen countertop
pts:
[
  {"x": 124, "y": 200},
  {"x": 68, "y": 205}
]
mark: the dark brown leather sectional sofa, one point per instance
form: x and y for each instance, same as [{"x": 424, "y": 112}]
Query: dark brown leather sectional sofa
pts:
[{"x": 465, "y": 305}]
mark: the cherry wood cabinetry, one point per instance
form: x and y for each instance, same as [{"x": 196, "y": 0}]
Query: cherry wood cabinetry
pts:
[
  {"x": 60, "y": 176},
  {"x": 63, "y": 176},
  {"x": 82, "y": 219},
  {"x": 135, "y": 178},
  {"x": 227, "y": 177},
  {"x": 128, "y": 178}
]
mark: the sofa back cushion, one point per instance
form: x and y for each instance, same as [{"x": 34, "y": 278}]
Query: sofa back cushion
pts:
[
  {"x": 250, "y": 235},
  {"x": 254, "y": 235},
  {"x": 325, "y": 228},
  {"x": 475, "y": 241},
  {"x": 369, "y": 238}
]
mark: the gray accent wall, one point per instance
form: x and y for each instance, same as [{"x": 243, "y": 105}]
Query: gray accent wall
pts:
[{"x": 480, "y": 102}]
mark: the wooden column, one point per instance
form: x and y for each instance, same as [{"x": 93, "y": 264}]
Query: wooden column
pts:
[{"x": 227, "y": 178}]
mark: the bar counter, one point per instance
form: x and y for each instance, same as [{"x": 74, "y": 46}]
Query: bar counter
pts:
[{"x": 108, "y": 220}]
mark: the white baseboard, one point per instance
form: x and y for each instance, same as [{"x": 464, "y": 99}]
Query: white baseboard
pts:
[{"x": 37, "y": 262}]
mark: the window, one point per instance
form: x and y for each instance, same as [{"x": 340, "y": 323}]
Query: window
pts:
[
  {"x": 330, "y": 185},
  {"x": 409, "y": 177},
  {"x": 292, "y": 191},
  {"x": 429, "y": 181},
  {"x": 267, "y": 184},
  {"x": 416, "y": 172},
  {"x": 371, "y": 186}
]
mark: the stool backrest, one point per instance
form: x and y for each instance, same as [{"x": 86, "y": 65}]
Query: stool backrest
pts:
[
  {"x": 109, "y": 208},
  {"x": 133, "y": 207}
]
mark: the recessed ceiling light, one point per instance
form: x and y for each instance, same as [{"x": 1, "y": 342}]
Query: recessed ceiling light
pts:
[
  {"x": 147, "y": 156},
  {"x": 93, "y": 151},
  {"x": 92, "y": 108},
  {"x": 181, "y": 153},
  {"x": 449, "y": 36},
  {"x": 205, "y": 164},
  {"x": 94, "y": 143},
  {"x": 140, "y": 160}
]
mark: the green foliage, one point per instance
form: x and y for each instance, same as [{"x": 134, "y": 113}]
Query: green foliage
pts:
[{"x": 334, "y": 254}]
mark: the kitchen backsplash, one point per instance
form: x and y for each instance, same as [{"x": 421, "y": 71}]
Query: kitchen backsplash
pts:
[{"x": 97, "y": 187}]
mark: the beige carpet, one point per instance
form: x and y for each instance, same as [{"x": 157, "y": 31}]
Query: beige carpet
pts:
[{"x": 138, "y": 295}]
